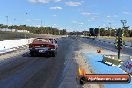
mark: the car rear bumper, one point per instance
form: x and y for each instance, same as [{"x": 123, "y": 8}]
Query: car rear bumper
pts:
[{"x": 42, "y": 50}]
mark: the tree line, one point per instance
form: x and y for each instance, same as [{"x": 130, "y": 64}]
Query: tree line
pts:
[
  {"x": 107, "y": 32},
  {"x": 36, "y": 30},
  {"x": 112, "y": 32}
]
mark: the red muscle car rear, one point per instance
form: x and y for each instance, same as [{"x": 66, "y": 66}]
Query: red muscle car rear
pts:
[{"x": 46, "y": 46}]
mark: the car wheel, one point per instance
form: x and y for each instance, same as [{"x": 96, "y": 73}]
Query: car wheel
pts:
[
  {"x": 83, "y": 80},
  {"x": 53, "y": 54},
  {"x": 32, "y": 54}
]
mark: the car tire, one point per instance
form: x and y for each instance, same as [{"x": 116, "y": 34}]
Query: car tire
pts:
[
  {"x": 53, "y": 54},
  {"x": 33, "y": 54},
  {"x": 83, "y": 80}
]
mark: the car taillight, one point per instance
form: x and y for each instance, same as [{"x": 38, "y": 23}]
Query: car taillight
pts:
[
  {"x": 31, "y": 46},
  {"x": 51, "y": 46}
]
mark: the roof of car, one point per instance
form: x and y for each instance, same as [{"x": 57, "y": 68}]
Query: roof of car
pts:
[{"x": 44, "y": 38}]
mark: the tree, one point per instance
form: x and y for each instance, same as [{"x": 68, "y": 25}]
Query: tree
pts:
[{"x": 36, "y": 30}]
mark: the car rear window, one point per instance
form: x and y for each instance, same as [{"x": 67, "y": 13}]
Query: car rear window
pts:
[{"x": 41, "y": 40}]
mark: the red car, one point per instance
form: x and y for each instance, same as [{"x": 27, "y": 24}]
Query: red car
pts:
[{"x": 46, "y": 46}]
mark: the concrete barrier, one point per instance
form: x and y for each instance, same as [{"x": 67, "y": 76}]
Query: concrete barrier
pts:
[
  {"x": 111, "y": 60},
  {"x": 8, "y": 45}
]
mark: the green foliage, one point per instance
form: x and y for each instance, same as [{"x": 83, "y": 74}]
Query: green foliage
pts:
[
  {"x": 130, "y": 33},
  {"x": 37, "y": 30},
  {"x": 112, "y": 32}
]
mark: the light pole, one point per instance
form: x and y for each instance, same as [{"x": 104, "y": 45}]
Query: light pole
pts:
[
  {"x": 110, "y": 28},
  {"x": 7, "y": 18},
  {"x": 41, "y": 22},
  {"x": 14, "y": 21},
  {"x": 26, "y": 16},
  {"x": 99, "y": 31},
  {"x": 26, "y": 25},
  {"x": 123, "y": 23}
]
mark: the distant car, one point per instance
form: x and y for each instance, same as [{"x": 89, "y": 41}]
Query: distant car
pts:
[{"x": 43, "y": 46}]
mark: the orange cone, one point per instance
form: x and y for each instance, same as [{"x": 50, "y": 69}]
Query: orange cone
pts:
[{"x": 99, "y": 51}]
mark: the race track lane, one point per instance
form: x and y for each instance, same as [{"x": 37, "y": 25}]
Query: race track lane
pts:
[{"x": 35, "y": 72}]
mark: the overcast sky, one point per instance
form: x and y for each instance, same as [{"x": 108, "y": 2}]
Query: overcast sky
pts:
[{"x": 74, "y": 15}]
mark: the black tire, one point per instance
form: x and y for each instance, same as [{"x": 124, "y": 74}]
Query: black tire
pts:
[
  {"x": 53, "y": 54},
  {"x": 33, "y": 54},
  {"x": 83, "y": 80}
]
